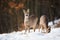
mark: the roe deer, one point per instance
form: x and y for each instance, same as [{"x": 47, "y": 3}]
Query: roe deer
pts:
[
  {"x": 29, "y": 21},
  {"x": 44, "y": 24}
]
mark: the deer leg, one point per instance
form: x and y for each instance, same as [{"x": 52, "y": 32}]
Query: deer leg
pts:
[
  {"x": 46, "y": 29},
  {"x": 25, "y": 29},
  {"x": 34, "y": 29},
  {"x": 39, "y": 27},
  {"x": 42, "y": 28},
  {"x": 28, "y": 29}
]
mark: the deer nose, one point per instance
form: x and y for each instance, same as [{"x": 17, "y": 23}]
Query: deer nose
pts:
[{"x": 26, "y": 15}]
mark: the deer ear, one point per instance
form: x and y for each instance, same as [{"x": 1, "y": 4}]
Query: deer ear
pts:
[
  {"x": 24, "y": 11},
  {"x": 28, "y": 10}
]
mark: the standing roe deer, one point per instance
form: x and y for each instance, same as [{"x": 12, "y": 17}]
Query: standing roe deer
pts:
[
  {"x": 44, "y": 24},
  {"x": 29, "y": 21}
]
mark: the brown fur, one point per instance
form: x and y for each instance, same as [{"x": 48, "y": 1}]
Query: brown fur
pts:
[
  {"x": 29, "y": 21},
  {"x": 44, "y": 23}
]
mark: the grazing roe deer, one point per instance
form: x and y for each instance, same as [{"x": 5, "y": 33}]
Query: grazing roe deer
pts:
[
  {"x": 44, "y": 24},
  {"x": 29, "y": 21}
]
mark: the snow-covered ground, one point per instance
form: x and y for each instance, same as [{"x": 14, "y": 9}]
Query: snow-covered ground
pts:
[{"x": 53, "y": 35}]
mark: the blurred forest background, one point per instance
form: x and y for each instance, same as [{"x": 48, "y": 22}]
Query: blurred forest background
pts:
[{"x": 12, "y": 16}]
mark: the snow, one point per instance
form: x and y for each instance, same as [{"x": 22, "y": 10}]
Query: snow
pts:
[{"x": 53, "y": 35}]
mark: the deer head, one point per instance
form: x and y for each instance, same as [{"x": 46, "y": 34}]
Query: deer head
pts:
[{"x": 26, "y": 11}]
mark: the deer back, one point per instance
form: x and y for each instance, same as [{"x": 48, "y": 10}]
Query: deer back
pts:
[
  {"x": 33, "y": 20},
  {"x": 43, "y": 19}
]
